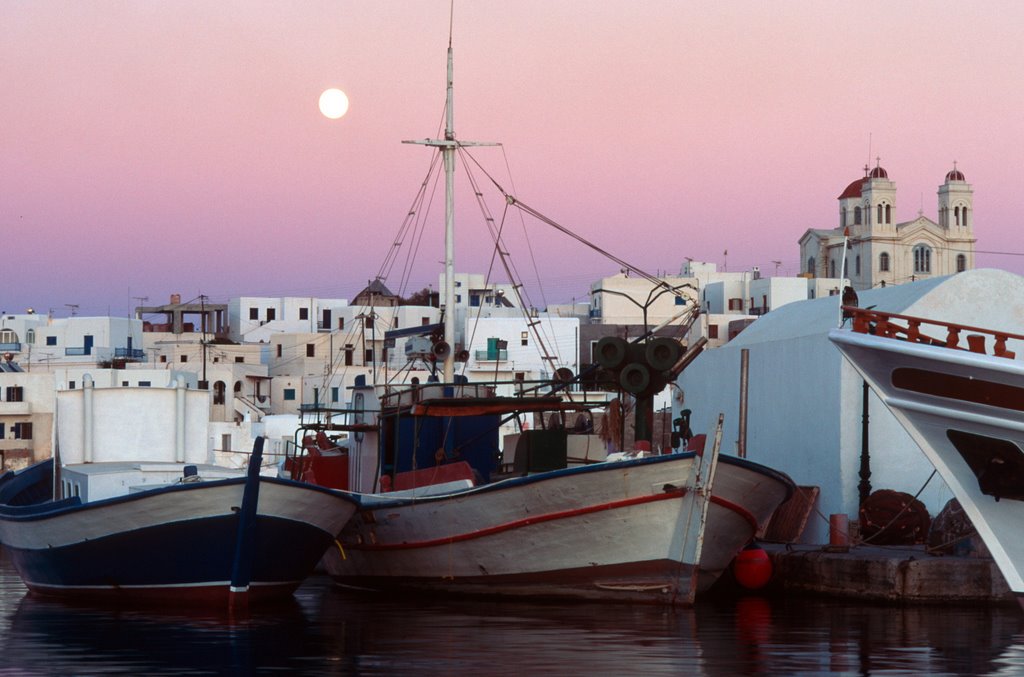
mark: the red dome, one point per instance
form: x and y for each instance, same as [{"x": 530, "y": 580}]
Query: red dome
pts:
[
  {"x": 878, "y": 173},
  {"x": 955, "y": 175},
  {"x": 853, "y": 190}
]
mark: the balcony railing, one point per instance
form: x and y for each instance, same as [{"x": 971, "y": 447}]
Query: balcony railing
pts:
[
  {"x": 78, "y": 351},
  {"x": 10, "y": 347},
  {"x": 130, "y": 353},
  {"x": 491, "y": 355}
]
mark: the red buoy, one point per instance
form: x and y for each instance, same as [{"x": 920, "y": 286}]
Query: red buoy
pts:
[{"x": 752, "y": 568}]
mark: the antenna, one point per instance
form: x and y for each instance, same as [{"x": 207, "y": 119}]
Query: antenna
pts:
[
  {"x": 73, "y": 307},
  {"x": 777, "y": 264},
  {"x": 869, "y": 149}
]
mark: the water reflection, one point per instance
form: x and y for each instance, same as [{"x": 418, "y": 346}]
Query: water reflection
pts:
[{"x": 328, "y": 631}]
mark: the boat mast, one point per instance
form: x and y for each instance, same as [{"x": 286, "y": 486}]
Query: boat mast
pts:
[
  {"x": 448, "y": 146},
  {"x": 448, "y": 153}
]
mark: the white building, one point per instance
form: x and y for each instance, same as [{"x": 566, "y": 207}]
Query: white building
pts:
[
  {"x": 508, "y": 349},
  {"x": 621, "y": 299},
  {"x": 805, "y": 400},
  {"x": 883, "y": 251},
  {"x": 252, "y": 319}
]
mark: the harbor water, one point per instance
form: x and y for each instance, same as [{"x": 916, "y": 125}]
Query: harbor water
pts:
[{"x": 328, "y": 631}]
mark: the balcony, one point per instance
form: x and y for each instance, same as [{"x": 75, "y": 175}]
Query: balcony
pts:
[
  {"x": 15, "y": 408},
  {"x": 10, "y": 347},
  {"x": 490, "y": 355},
  {"x": 130, "y": 353}
]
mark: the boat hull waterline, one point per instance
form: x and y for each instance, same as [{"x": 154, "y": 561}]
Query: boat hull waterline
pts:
[
  {"x": 953, "y": 402},
  {"x": 608, "y": 531},
  {"x": 173, "y": 544}
]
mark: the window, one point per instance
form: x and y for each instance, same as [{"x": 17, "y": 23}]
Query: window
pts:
[
  {"x": 14, "y": 394},
  {"x": 368, "y": 322},
  {"x": 712, "y": 331},
  {"x": 51, "y": 340},
  {"x": 279, "y": 350},
  {"x": 1, "y": 431},
  {"x": 922, "y": 259},
  {"x": 842, "y": 218},
  {"x": 832, "y": 268},
  {"x": 124, "y": 384},
  {"x": 239, "y": 359},
  {"x": 310, "y": 350},
  {"x": 349, "y": 351},
  {"x": 961, "y": 263},
  {"x": 856, "y": 265},
  {"x": 888, "y": 213},
  {"x": 163, "y": 358},
  {"x": 956, "y": 214},
  {"x": 71, "y": 385},
  {"x": 520, "y": 376},
  {"x": 22, "y": 431},
  {"x": 424, "y": 321},
  {"x": 881, "y": 213},
  {"x": 735, "y": 304},
  {"x": 289, "y": 393},
  {"x": 334, "y": 393},
  {"x": 856, "y": 216},
  {"x": 963, "y": 216},
  {"x": 474, "y": 300},
  {"x": 341, "y": 323},
  {"x": 145, "y": 384},
  {"x": 30, "y": 336},
  {"x": 458, "y": 297},
  {"x": 271, "y": 314},
  {"x": 368, "y": 356},
  {"x": 303, "y": 313},
  {"x": 810, "y": 266},
  {"x": 883, "y": 262},
  {"x": 254, "y": 313},
  {"x": 183, "y": 358}
]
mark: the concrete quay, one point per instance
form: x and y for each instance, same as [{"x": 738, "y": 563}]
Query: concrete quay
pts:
[{"x": 887, "y": 573}]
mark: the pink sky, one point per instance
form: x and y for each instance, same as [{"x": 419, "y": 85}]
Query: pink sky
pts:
[{"x": 158, "y": 147}]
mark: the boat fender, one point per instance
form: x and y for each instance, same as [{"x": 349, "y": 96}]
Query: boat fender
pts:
[{"x": 752, "y": 568}]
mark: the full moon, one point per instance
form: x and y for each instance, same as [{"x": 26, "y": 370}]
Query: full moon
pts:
[{"x": 333, "y": 103}]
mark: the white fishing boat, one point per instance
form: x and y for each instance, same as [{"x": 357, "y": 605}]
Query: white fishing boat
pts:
[
  {"x": 441, "y": 512},
  {"x": 959, "y": 392}
]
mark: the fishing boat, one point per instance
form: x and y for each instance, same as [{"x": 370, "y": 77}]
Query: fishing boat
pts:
[
  {"x": 154, "y": 522},
  {"x": 959, "y": 392},
  {"x": 446, "y": 507}
]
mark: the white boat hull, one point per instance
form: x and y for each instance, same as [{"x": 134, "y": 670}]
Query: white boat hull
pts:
[
  {"x": 956, "y": 404},
  {"x": 610, "y": 531}
]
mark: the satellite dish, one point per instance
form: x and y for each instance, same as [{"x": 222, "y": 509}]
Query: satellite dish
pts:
[{"x": 563, "y": 374}]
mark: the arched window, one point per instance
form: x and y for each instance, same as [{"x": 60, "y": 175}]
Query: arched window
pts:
[
  {"x": 856, "y": 266},
  {"x": 842, "y": 217},
  {"x": 8, "y": 336},
  {"x": 883, "y": 262},
  {"x": 922, "y": 259},
  {"x": 888, "y": 213},
  {"x": 963, "y": 216},
  {"x": 961, "y": 263},
  {"x": 881, "y": 212},
  {"x": 218, "y": 392},
  {"x": 856, "y": 216},
  {"x": 956, "y": 214},
  {"x": 238, "y": 387},
  {"x": 810, "y": 269}
]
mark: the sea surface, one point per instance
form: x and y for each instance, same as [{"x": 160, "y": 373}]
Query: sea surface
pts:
[{"x": 325, "y": 630}]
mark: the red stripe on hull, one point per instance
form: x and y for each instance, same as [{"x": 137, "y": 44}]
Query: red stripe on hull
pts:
[
  {"x": 206, "y": 595},
  {"x": 738, "y": 509},
  {"x": 525, "y": 522}
]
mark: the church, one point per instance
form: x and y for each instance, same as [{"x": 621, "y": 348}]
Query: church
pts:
[{"x": 881, "y": 252}]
